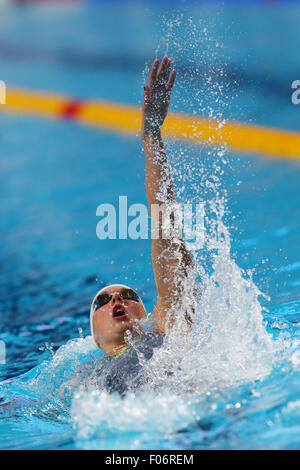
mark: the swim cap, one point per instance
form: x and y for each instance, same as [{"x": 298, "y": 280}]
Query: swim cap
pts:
[{"x": 99, "y": 292}]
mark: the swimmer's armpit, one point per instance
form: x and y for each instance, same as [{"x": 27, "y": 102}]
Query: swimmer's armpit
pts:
[{"x": 170, "y": 257}]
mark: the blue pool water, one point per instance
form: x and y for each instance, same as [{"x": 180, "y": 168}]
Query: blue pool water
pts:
[{"x": 240, "y": 388}]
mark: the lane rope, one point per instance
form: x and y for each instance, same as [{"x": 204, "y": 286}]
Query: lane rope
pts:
[{"x": 122, "y": 118}]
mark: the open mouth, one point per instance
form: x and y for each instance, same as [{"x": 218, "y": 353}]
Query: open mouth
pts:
[{"x": 118, "y": 312}]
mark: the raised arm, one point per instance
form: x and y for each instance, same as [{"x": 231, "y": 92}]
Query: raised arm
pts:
[{"x": 170, "y": 258}]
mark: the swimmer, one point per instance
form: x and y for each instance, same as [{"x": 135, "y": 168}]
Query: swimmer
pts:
[{"x": 117, "y": 309}]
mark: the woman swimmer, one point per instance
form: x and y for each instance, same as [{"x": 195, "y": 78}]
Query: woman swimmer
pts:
[{"x": 117, "y": 308}]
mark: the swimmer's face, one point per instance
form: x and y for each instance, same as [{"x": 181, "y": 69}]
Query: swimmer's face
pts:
[{"x": 116, "y": 309}]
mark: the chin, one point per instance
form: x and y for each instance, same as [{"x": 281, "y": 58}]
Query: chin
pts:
[{"x": 125, "y": 325}]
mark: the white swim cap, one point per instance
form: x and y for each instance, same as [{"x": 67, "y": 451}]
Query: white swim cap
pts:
[{"x": 99, "y": 292}]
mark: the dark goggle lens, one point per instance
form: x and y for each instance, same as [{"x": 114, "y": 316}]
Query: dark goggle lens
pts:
[
  {"x": 129, "y": 295},
  {"x": 103, "y": 299}
]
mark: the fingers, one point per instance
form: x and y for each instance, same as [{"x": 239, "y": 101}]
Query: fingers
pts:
[
  {"x": 160, "y": 74},
  {"x": 166, "y": 72},
  {"x": 153, "y": 73},
  {"x": 171, "y": 81},
  {"x": 146, "y": 95},
  {"x": 163, "y": 70}
]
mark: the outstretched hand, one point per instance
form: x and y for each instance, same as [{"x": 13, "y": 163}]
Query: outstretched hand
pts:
[{"x": 157, "y": 95}]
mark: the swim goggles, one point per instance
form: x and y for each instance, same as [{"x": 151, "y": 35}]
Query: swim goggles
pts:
[{"x": 126, "y": 294}]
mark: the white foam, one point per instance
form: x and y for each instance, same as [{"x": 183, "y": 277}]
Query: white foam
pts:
[{"x": 98, "y": 413}]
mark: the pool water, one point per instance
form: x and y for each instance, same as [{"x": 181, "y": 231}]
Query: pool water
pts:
[{"x": 237, "y": 387}]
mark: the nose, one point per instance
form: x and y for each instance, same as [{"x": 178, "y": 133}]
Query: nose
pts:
[{"x": 117, "y": 298}]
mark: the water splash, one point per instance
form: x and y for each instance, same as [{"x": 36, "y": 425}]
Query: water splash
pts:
[
  {"x": 148, "y": 413},
  {"x": 228, "y": 346}
]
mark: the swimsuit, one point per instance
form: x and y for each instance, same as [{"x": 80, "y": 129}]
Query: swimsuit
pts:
[{"x": 124, "y": 372}]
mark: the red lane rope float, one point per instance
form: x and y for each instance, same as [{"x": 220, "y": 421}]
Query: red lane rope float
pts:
[{"x": 72, "y": 109}]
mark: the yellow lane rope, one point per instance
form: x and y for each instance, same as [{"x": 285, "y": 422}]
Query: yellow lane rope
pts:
[{"x": 239, "y": 137}]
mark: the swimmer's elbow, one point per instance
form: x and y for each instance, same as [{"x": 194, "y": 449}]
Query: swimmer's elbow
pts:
[{"x": 164, "y": 318}]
